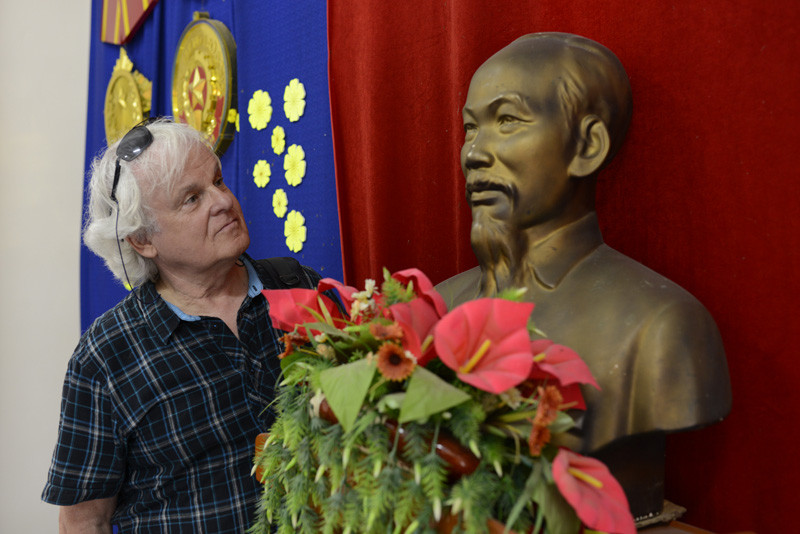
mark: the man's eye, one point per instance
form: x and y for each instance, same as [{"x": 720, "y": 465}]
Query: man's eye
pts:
[
  {"x": 191, "y": 199},
  {"x": 470, "y": 129},
  {"x": 219, "y": 182},
  {"x": 507, "y": 119}
]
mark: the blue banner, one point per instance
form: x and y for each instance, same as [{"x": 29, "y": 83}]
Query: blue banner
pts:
[{"x": 281, "y": 58}]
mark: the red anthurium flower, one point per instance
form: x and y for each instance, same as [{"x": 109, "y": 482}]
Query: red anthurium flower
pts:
[
  {"x": 486, "y": 342},
  {"x": 418, "y": 316},
  {"x": 345, "y": 292},
  {"x": 423, "y": 288},
  {"x": 596, "y": 496},
  {"x": 289, "y": 307},
  {"x": 562, "y": 363}
]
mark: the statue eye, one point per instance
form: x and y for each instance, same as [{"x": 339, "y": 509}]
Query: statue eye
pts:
[{"x": 507, "y": 119}]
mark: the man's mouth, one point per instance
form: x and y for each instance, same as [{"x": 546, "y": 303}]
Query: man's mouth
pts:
[{"x": 228, "y": 225}]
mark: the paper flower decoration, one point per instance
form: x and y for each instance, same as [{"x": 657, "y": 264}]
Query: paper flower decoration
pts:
[
  {"x": 261, "y": 173},
  {"x": 294, "y": 163},
  {"x": 233, "y": 116},
  {"x": 294, "y": 100},
  {"x": 279, "y": 203},
  {"x": 278, "y": 140},
  {"x": 260, "y": 110},
  {"x": 486, "y": 342},
  {"x": 295, "y": 231}
]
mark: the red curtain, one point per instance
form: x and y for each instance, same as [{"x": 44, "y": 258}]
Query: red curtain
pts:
[{"x": 704, "y": 191}]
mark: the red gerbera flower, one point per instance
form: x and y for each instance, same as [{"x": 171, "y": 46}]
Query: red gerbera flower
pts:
[
  {"x": 385, "y": 332},
  {"x": 291, "y": 341},
  {"x": 540, "y": 436},
  {"x": 549, "y": 401},
  {"x": 393, "y": 362}
]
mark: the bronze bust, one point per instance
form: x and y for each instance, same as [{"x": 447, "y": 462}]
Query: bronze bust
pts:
[{"x": 542, "y": 117}]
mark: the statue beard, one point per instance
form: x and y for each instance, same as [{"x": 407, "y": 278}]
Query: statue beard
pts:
[{"x": 492, "y": 243}]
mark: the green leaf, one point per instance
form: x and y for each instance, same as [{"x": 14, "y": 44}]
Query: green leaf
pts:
[
  {"x": 332, "y": 331},
  {"x": 392, "y": 401},
  {"x": 345, "y": 387},
  {"x": 427, "y": 394},
  {"x": 562, "y": 423},
  {"x": 559, "y": 517}
]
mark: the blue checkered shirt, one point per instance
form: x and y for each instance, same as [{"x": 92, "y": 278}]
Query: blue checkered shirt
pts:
[{"x": 163, "y": 412}]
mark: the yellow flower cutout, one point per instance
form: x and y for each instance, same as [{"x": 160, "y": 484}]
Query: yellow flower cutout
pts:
[
  {"x": 279, "y": 203},
  {"x": 294, "y": 163},
  {"x": 233, "y": 116},
  {"x": 278, "y": 140},
  {"x": 261, "y": 173},
  {"x": 260, "y": 110},
  {"x": 295, "y": 231},
  {"x": 294, "y": 100}
]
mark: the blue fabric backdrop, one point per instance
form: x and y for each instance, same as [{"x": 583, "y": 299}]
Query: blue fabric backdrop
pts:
[{"x": 276, "y": 42}]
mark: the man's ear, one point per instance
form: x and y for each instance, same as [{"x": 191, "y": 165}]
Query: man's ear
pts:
[
  {"x": 142, "y": 245},
  {"x": 591, "y": 148}
]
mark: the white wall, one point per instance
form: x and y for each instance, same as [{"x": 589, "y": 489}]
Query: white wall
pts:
[{"x": 44, "y": 61}]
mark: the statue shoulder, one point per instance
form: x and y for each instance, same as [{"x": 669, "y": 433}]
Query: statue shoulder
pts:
[{"x": 461, "y": 287}]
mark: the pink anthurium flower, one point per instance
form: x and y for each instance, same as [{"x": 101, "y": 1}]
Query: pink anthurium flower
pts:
[
  {"x": 562, "y": 363},
  {"x": 290, "y": 307},
  {"x": 593, "y": 492},
  {"x": 423, "y": 288},
  {"x": 417, "y": 317},
  {"x": 345, "y": 292},
  {"x": 486, "y": 342}
]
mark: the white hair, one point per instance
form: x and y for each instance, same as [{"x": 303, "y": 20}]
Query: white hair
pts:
[{"x": 157, "y": 167}]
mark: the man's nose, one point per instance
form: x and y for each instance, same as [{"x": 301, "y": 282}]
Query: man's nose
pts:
[
  {"x": 222, "y": 199},
  {"x": 476, "y": 153}
]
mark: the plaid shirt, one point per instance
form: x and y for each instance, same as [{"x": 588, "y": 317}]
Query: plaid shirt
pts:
[{"x": 164, "y": 412}]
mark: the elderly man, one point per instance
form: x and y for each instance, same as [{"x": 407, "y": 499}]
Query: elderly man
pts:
[
  {"x": 542, "y": 117},
  {"x": 165, "y": 393}
]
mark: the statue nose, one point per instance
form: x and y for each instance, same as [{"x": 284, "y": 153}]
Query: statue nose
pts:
[{"x": 477, "y": 154}]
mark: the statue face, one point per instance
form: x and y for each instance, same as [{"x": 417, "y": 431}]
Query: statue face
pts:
[{"x": 516, "y": 147}]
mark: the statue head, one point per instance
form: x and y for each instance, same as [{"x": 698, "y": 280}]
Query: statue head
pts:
[{"x": 542, "y": 117}]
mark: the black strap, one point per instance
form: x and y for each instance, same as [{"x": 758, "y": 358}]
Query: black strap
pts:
[{"x": 285, "y": 272}]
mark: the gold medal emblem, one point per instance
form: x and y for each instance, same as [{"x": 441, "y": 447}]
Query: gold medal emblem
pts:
[
  {"x": 203, "y": 79},
  {"x": 127, "y": 98}
]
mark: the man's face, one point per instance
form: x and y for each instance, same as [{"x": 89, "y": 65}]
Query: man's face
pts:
[
  {"x": 516, "y": 146},
  {"x": 200, "y": 222}
]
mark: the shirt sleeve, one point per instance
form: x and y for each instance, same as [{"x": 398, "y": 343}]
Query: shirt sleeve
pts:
[{"x": 89, "y": 459}]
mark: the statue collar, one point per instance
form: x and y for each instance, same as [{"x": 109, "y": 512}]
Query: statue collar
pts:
[{"x": 555, "y": 255}]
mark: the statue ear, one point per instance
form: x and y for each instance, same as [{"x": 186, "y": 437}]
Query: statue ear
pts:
[
  {"x": 142, "y": 245},
  {"x": 591, "y": 148}
]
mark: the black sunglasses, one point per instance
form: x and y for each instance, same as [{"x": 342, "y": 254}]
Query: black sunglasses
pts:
[{"x": 130, "y": 148}]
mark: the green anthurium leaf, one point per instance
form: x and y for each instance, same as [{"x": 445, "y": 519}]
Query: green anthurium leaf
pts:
[
  {"x": 291, "y": 359},
  {"x": 562, "y": 423},
  {"x": 345, "y": 387},
  {"x": 427, "y": 394},
  {"x": 332, "y": 331},
  {"x": 559, "y": 517},
  {"x": 391, "y": 401}
]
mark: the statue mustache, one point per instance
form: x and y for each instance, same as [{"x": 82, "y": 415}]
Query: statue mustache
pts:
[{"x": 476, "y": 186}]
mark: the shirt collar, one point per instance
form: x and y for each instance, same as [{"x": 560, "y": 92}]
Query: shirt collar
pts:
[
  {"x": 164, "y": 317},
  {"x": 555, "y": 255}
]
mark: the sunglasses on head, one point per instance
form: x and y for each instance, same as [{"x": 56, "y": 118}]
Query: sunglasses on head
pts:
[{"x": 130, "y": 148}]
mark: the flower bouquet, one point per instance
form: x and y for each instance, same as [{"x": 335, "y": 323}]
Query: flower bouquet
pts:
[{"x": 395, "y": 415}]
